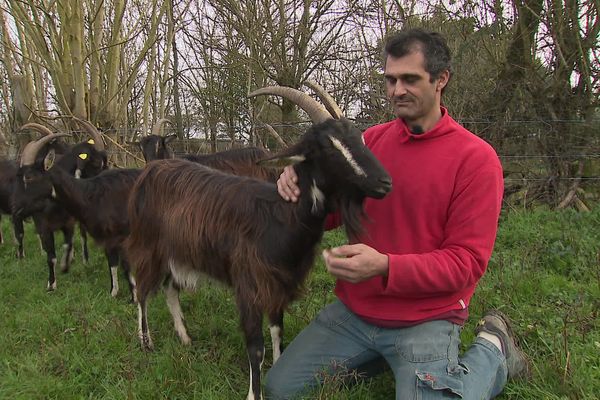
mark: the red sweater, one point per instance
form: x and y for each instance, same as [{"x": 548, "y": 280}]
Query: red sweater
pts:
[{"x": 437, "y": 225}]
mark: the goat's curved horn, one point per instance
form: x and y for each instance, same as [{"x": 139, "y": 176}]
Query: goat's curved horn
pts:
[
  {"x": 275, "y": 135},
  {"x": 159, "y": 124},
  {"x": 328, "y": 101},
  {"x": 316, "y": 111},
  {"x": 33, "y": 148},
  {"x": 34, "y": 126},
  {"x": 91, "y": 129}
]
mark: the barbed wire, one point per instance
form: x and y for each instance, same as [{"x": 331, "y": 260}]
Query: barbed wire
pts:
[
  {"x": 553, "y": 178},
  {"x": 549, "y": 156}
]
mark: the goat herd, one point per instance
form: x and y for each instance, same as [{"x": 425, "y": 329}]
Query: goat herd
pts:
[{"x": 218, "y": 215}]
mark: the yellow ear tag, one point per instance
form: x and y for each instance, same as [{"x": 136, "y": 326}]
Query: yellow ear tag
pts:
[
  {"x": 91, "y": 141},
  {"x": 83, "y": 156}
]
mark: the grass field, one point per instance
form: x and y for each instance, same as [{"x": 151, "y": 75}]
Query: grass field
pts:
[{"x": 79, "y": 343}]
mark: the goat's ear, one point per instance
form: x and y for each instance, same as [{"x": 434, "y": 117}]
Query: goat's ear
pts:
[
  {"x": 170, "y": 138},
  {"x": 290, "y": 156},
  {"x": 280, "y": 162},
  {"x": 49, "y": 160}
]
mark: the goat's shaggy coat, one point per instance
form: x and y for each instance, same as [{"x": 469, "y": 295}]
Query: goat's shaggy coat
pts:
[{"x": 241, "y": 162}]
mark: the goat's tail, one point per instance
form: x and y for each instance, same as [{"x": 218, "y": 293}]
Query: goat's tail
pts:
[{"x": 142, "y": 246}]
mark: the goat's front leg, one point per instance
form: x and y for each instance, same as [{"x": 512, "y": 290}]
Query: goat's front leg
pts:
[
  {"x": 127, "y": 273},
  {"x": 112, "y": 256},
  {"x": 48, "y": 246},
  {"x": 276, "y": 329},
  {"x": 143, "y": 331},
  {"x": 84, "y": 245},
  {"x": 19, "y": 235},
  {"x": 67, "y": 257},
  {"x": 172, "y": 297},
  {"x": 251, "y": 319}
]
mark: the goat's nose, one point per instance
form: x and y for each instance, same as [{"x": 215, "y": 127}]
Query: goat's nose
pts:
[{"x": 386, "y": 182}]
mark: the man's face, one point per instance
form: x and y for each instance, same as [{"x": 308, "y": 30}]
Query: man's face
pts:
[{"x": 408, "y": 87}]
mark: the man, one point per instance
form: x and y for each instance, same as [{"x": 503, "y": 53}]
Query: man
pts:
[{"x": 404, "y": 290}]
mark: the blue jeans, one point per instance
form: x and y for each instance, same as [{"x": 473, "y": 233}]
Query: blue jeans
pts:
[{"x": 424, "y": 358}]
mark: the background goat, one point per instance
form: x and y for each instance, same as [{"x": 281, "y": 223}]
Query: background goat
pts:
[
  {"x": 242, "y": 161},
  {"x": 187, "y": 219},
  {"x": 96, "y": 202},
  {"x": 33, "y": 193},
  {"x": 8, "y": 177},
  {"x": 155, "y": 146}
]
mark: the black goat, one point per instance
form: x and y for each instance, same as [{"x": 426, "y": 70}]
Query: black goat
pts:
[
  {"x": 97, "y": 203},
  {"x": 8, "y": 177},
  {"x": 154, "y": 146},
  {"x": 33, "y": 193},
  {"x": 187, "y": 220}
]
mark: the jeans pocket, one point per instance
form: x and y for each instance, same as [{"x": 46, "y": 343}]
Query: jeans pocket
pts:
[
  {"x": 427, "y": 342},
  {"x": 438, "y": 385},
  {"x": 335, "y": 314}
]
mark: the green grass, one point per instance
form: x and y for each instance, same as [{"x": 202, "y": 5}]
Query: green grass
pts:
[{"x": 79, "y": 343}]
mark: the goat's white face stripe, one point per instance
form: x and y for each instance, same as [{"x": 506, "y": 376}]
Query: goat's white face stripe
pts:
[{"x": 348, "y": 156}]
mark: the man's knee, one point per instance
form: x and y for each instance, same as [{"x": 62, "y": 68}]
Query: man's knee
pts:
[{"x": 275, "y": 385}]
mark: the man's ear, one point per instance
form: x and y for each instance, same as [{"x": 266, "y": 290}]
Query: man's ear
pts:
[{"x": 442, "y": 81}]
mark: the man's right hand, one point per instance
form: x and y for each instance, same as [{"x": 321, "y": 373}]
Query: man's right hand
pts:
[{"x": 287, "y": 184}]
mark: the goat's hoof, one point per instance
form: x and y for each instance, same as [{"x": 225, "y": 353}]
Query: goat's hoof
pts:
[
  {"x": 147, "y": 344},
  {"x": 51, "y": 286},
  {"x": 114, "y": 293},
  {"x": 186, "y": 341},
  {"x": 64, "y": 270}
]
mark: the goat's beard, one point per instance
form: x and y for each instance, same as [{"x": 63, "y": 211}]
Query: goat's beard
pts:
[{"x": 353, "y": 215}]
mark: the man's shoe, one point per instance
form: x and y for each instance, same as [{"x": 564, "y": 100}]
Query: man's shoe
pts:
[{"x": 496, "y": 323}]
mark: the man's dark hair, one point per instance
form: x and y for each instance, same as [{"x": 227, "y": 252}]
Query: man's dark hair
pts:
[{"x": 431, "y": 44}]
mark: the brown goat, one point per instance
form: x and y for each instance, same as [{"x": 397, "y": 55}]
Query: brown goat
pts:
[{"x": 187, "y": 220}]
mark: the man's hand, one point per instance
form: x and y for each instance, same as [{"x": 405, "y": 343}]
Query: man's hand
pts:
[
  {"x": 355, "y": 262},
  {"x": 287, "y": 184}
]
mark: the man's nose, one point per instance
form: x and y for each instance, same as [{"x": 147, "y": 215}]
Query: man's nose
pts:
[{"x": 399, "y": 88}]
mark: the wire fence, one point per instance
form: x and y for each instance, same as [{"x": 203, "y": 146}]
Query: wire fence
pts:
[{"x": 534, "y": 153}]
